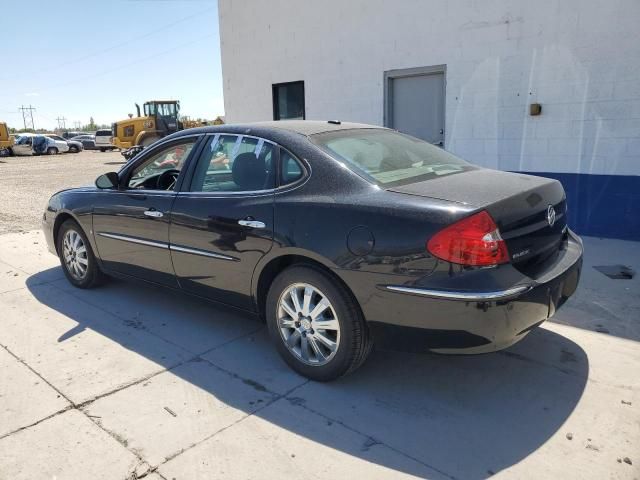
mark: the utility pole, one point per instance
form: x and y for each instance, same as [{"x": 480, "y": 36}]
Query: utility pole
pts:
[
  {"x": 28, "y": 121},
  {"x": 62, "y": 123},
  {"x": 77, "y": 126}
]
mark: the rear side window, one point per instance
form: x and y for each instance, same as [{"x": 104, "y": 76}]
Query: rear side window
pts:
[
  {"x": 389, "y": 158},
  {"x": 232, "y": 163},
  {"x": 290, "y": 170}
]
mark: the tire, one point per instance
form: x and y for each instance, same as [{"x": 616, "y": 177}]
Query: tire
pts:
[
  {"x": 73, "y": 149},
  {"x": 146, "y": 141},
  {"x": 352, "y": 339},
  {"x": 91, "y": 276},
  {"x": 103, "y": 150},
  {"x": 52, "y": 151}
]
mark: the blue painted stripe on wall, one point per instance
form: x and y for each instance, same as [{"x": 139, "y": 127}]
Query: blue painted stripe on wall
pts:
[{"x": 601, "y": 205}]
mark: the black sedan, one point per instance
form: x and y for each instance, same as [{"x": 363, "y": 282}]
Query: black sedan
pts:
[
  {"x": 338, "y": 235},
  {"x": 88, "y": 141}
]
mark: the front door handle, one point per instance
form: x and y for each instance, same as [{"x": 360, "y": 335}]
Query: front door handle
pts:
[
  {"x": 249, "y": 222},
  {"x": 153, "y": 213}
]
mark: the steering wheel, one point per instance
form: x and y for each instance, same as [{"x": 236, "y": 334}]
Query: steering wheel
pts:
[{"x": 167, "y": 179}]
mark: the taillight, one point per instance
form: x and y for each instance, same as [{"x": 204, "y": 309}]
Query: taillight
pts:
[{"x": 474, "y": 240}]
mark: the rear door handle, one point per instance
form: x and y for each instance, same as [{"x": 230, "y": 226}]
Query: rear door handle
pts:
[
  {"x": 248, "y": 222},
  {"x": 153, "y": 213}
]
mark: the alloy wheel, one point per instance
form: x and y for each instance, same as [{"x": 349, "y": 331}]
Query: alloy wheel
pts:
[
  {"x": 75, "y": 255},
  {"x": 308, "y": 324}
]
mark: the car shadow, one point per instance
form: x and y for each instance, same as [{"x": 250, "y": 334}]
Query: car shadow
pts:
[{"x": 449, "y": 416}]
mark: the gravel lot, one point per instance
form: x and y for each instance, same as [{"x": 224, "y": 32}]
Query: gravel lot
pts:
[{"x": 28, "y": 182}]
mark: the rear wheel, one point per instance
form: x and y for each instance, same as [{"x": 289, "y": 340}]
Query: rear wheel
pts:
[
  {"x": 52, "y": 151},
  {"x": 103, "y": 150},
  {"x": 76, "y": 256},
  {"x": 73, "y": 149},
  {"x": 316, "y": 326}
]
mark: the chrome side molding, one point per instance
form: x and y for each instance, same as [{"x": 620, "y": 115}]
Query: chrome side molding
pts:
[
  {"x": 126, "y": 238},
  {"x": 203, "y": 253},
  {"x": 464, "y": 296},
  {"x": 175, "y": 248}
]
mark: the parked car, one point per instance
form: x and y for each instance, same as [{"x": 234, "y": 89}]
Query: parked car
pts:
[
  {"x": 338, "y": 235},
  {"x": 104, "y": 139},
  {"x": 69, "y": 135},
  {"x": 32, "y": 144},
  {"x": 73, "y": 145},
  {"x": 88, "y": 141},
  {"x": 54, "y": 146}
]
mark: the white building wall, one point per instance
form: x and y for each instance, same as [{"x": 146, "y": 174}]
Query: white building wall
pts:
[{"x": 579, "y": 58}]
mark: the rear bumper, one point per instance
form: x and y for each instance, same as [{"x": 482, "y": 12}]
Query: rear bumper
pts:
[{"x": 415, "y": 318}]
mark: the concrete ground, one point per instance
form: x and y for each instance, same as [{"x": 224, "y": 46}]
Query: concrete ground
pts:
[
  {"x": 129, "y": 381},
  {"x": 28, "y": 182}
]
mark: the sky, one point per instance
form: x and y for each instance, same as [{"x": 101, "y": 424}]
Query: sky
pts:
[{"x": 82, "y": 59}]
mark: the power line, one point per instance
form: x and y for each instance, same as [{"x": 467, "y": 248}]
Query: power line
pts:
[
  {"x": 61, "y": 123},
  {"x": 57, "y": 66},
  {"x": 125, "y": 65},
  {"x": 26, "y": 115}
]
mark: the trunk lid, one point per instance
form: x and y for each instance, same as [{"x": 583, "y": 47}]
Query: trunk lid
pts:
[{"x": 519, "y": 204}]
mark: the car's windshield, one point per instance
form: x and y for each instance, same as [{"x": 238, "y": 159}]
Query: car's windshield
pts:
[{"x": 389, "y": 158}]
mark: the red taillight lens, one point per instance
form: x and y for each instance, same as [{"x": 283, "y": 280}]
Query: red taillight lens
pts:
[{"x": 474, "y": 240}]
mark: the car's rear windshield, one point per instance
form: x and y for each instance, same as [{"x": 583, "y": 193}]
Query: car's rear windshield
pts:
[
  {"x": 389, "y": 158},
  {"x": 103, "y": 133}
]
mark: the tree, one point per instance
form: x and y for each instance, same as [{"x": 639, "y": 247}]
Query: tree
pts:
[{"x": 92, "y": 125}]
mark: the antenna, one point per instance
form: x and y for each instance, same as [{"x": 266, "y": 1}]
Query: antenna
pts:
[
  {"x": 27, "y": 118},
  {"x": 62, "y": 123}
]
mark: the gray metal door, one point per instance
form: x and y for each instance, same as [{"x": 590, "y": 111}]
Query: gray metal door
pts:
[{"x": 415, "y": 103}]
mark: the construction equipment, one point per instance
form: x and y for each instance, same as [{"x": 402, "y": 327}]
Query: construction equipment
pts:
[
  {"x": 161, "y": 118},
  {"x": 6, "y": 140}
]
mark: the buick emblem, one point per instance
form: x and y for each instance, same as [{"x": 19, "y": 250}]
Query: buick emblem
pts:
[{"x": 551, "y": 215}]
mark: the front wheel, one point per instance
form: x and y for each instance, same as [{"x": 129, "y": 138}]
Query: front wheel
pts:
[
  {"x": 316, "y": 326},
  {"x": 76, "y": 256},
  {"x": 146, "y": 141},
  {"x": 73, "y": 149}
]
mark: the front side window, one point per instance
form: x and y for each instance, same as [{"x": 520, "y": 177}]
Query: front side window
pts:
[
  {"x": 288, "y": 101},
  {"x": 232, "y": 163},
  {"x": 161, "y": 170},
  {"x": 389, "y": 158}
]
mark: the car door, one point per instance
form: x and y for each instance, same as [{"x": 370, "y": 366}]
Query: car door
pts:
[
  {"x": 131, "y": 224},
  {"x": 23, "y": 146},
  {"x": 222, "y": 224}
]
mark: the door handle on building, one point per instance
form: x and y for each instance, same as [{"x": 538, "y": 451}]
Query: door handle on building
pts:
[
  {"x": 153, "y": 213},
  {"x": 250, "y": 222}
]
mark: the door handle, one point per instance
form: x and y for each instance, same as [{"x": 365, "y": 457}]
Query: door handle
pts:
[
  {"x": 249, "y": 222},
  {"x": 153, "y": 213}
]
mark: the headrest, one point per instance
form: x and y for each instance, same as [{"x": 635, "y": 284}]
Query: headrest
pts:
[{"x": 249, "y": 172}]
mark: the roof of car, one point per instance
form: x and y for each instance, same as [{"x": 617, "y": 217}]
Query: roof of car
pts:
[
  {"x": 310, "y": 127},
  {"x": 302, "y": 127}
]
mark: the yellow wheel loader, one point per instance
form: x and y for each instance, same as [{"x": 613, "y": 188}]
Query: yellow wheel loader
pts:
[
  {"x": 6, "y": 140},
  {"x": 161, "y": 118}
]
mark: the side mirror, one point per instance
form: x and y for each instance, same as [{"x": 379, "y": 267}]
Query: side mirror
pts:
[{"x": 108, "y": 180}]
